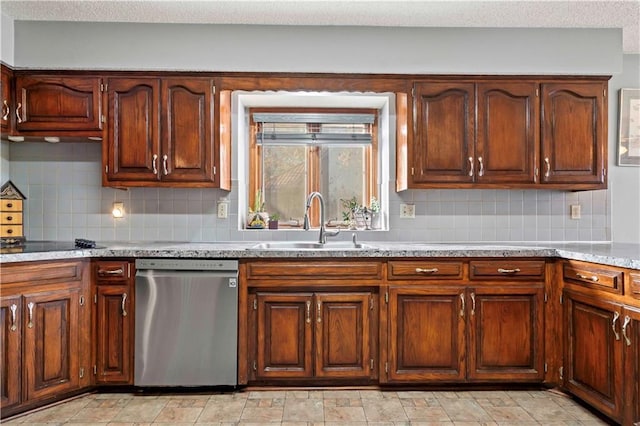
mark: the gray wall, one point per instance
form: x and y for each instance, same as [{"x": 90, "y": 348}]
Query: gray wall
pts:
[{"x": 62, "y": 182}]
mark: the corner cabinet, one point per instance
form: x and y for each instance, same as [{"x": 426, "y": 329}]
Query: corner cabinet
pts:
[
  {"x": 162, "y": 132},
  {"x": 506, "y": 133},
  {"x": 45, "y": 332}
]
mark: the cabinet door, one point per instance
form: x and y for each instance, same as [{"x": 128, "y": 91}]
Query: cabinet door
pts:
[
  {"x": 133, "y": 144},
  {"x": 631, "y": 337},
  {"x": 11, "y": 351},
  {"x": 284, "y": 334},
  {"x": 5, "y": 92},
  {"x": 444, "y": 142},
  {"x": 574, "y": 133},
  {"x": 506, "y": 334},
  {"x": 51, "y": 342},
  {"x": 114, "y": 334},
  {"x": 593, "y": 352},
  {"x": 427, "y": 334},
  {"x": 187, "y": 130},
  {"x": 507, "y": 137},
  {"x": 343, "y": 334},
  {"x": 50, "y": 103}
]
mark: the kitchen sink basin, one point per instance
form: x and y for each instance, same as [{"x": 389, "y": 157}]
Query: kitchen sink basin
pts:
[{"x": 306, "y": 245}]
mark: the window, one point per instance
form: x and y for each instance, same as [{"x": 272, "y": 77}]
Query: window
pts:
[{"x": 293, "y": 152}]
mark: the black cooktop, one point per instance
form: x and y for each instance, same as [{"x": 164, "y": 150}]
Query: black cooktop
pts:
[{"x": 44, "y": 246}]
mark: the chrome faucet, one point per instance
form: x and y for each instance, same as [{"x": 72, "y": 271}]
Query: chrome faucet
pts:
[{"x": 322, "y": 239}]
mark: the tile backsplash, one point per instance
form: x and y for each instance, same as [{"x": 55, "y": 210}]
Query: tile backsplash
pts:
[{"x": 65, "y": 200}]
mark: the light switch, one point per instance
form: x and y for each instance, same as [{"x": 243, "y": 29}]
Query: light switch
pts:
[{"x": 575, "y": 211}]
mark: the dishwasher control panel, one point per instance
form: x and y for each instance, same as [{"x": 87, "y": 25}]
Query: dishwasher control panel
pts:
[{"x": 188, "y": 264}]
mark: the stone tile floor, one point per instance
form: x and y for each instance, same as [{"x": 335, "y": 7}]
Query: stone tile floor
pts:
[{"x": 318, "y": 407}]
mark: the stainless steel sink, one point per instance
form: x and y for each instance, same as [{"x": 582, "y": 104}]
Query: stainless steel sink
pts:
[{"x": 306, "y": 245}]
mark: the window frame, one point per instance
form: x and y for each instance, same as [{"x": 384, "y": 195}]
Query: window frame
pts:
[{"x": 371, "y": 160}]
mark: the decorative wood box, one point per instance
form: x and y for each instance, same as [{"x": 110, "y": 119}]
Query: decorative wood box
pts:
[{"x": 11, "y": 214}]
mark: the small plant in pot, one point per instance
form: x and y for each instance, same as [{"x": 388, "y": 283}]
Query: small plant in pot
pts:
[{"x": 273, "y": 221}]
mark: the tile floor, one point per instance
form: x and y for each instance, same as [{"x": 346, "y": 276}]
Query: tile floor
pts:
[{"x": 319, "y": 407}]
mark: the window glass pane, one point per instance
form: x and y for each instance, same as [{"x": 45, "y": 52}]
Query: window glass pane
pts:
[
  {"x": 285, "y": 177},
  {"x": 342, "y": 176}
]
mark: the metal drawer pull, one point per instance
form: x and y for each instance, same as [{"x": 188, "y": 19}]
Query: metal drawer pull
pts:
[
  {"x": 548, "y": 166},
  {"x": 5, "y": 110},
  {"x": 625, "y": 324},
  {"x": 462, "y": 304},
  {"x": 470, "y": 166},
  {"x": 124, "y": 299},
  {"x": 509, "y": 271},
  {"x": 481, "y": 171},
  {"x": 18, "y": 113},
  {"x": 164, "y": 164},
  {"x": 13, "y": 309},
  {"x": 118, "y": 271},
  {"x": 308, "y": 311},
  {"x": 30, "y": 323},
  {"x": 426, "y": 271},
  {"x": 616, "y": 315},
  {"x": 584, "y": 277},
  {"x": 154, "y": 164},
  {"x": 319, "y": 311},
  {"x": 473, "y": 304}
]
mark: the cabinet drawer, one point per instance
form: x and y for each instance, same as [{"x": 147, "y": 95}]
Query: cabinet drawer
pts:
[
  {"x": 11, "y": 205},
  {"x": 506, "y": 269},
  {"x": 594, "y": 276},
  {"x": 7, "y": 231},
  {"x": 319, "y": 271},
  {"x": 111, "y": 270},
  {"x": 425, "y": 270},
  {"x": 634, "y": 285},
  {"x": 11, "y": 218},
  {"x": 42, "y": 272}
]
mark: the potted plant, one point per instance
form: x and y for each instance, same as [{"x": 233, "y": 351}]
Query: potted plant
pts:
[
  {"x": 257, "y": 218},
  {"x": 273, "y": 221}
]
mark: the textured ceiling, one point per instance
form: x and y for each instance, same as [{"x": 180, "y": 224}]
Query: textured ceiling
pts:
[{"x": 401, "y": 13}]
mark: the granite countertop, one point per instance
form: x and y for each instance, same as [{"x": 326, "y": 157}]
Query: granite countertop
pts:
[{"x": 615, "y": 254}]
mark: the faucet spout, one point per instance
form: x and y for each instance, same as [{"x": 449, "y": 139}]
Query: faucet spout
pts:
[{"x": 322, "y": 238}]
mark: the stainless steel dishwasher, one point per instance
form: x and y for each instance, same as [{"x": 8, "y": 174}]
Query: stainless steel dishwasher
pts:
[{"x": 186, "y": 322}]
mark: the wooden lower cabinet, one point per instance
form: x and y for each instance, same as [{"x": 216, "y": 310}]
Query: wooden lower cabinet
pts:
[
  {"x": 113, "y": 322},
  {"x": 459, "y": 334},
  {"x": 45, "y": 333},
  {"x": 631, "y": 337},
  {"x": 314, "y": 335},
  {"x": 594, "y": 352}
]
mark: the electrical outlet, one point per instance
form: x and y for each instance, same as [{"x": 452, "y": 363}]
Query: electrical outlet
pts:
[
  {"x": 223, "y": 209},
  {"x": 407, "y": 211},
  {"x": 575, "y": 211}
]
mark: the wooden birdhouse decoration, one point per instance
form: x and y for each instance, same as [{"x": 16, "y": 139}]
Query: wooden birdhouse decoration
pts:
[{"x": 11, "y": 223}]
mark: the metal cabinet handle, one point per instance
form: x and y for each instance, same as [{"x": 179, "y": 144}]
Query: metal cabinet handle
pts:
[
  {"x": 473, "y": 304},
  {"x": 30, "y": 306},
  {"x": 584, "y": 277},
  {"x": 103, "y": 272},
  {"x": 13, "y": 309},
  {"x": 308, "y": 311},
  {"x": 20, "y": 120},
  {"x": 426, "y": 271},
  {"x": 154, "y": 164},
  {"x": 616, "y": 315},
  {"x": 508, "y": 271},
  {"x": 470, "y": 166},
  {"x": 461, "y": 304},
  {"x": 124, "y": 300},
  {"x": 547, "y": 164},
  {"x": 481, "y": 171},
  {"x": 164, "y": 164},
  {"x": 625, "y": 324},
  {"x": 5, "y": 110},
  {"x": 319, "y": 311}
]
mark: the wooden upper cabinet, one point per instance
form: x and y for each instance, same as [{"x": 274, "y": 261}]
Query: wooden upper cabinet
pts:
[
  {"x": 6, "y": 100},
  {"x": 574, "y": 133},
  {"x": 445, "y": 132},
  {"x": 187, "y": 130},
  {"x": 58, "y": 103},
  {"x": 133, "y": 144},
  {"x": 507, "y": 137}
]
